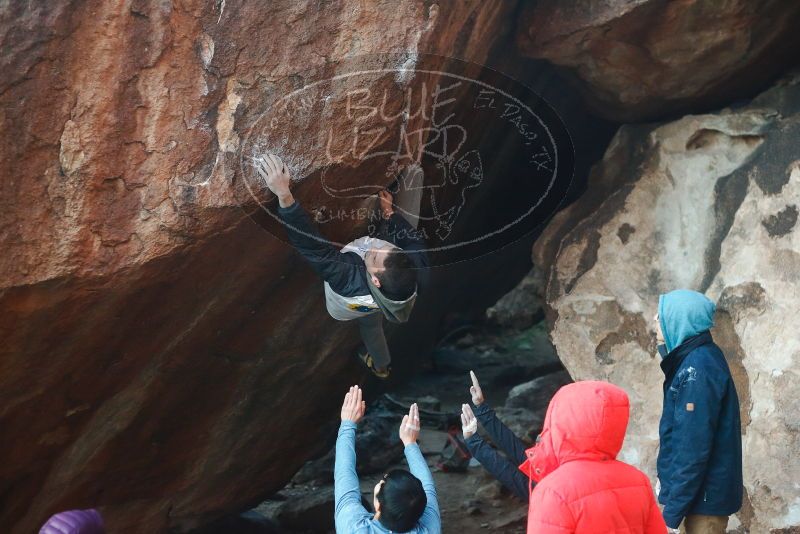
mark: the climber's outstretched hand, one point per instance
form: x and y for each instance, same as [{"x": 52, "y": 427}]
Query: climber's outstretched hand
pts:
[
  {"x": 410, "y": 426},
  {"x": 276, "y": 175},
  {"x": 387, "y": 206},
  {"x": 354, "y": 406}
]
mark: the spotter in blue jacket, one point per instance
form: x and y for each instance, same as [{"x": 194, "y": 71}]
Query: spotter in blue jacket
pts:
[{"x": 700, "y": 458}]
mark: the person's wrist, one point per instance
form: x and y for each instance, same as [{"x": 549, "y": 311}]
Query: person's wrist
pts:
[
  {"x": 483, "y": 409},
  {"x": 407, "y": 442},
  {"x": 285, "y": 199},
  {"x": 672, "y": 520}
]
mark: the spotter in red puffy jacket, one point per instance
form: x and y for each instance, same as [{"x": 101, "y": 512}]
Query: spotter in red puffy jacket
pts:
[{"x": 581, "y": 487}]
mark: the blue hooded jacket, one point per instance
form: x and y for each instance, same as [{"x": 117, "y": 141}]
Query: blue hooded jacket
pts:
[{"x": 700, "y": 458}]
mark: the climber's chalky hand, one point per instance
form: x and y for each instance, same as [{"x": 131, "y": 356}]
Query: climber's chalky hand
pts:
[
  {"x": 469, "y": 424},
  {"x": 387, "y": 206},
  {"x": 353, "y": 407},
  {"x": 410, "y": 426},
  {"x": 276, "y": 176}
]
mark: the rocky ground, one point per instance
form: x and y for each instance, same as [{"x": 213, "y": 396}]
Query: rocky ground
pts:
[{"x": 519, "y": 371}]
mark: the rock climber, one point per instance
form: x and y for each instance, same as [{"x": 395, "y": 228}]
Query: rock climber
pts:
[
  {"x": 581, "y": 487},
  {"x": 404, "y": 501},
  {"x": 366, "y": 280},
  {"x": 503, "y": 468},
  {"x": 700, "y": 457}
]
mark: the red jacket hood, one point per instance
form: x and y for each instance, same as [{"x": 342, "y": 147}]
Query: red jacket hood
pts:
[{"x": 585, "y": 421}]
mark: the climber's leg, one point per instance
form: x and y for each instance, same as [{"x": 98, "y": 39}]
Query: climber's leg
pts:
[{"x": 372, "y": 335}]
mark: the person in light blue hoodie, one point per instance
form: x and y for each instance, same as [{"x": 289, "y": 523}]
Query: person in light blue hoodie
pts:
[
  {"x": 403, "y": 501},
  {"x": 700, "y": 457}
]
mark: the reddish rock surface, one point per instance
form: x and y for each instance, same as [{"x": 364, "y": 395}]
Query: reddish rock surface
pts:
[
  {"x": 165, "y": 358},
  {"x": 644, "y": 59},
  {"x": 162, "y": 356}
]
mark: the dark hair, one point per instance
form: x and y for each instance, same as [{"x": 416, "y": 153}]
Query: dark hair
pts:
[
  {"x": 402, "y": 501},
  {"x": 398, "y": 278}
]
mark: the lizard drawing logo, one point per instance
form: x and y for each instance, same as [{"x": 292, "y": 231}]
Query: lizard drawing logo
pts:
[{"x": 451, "y": 174}]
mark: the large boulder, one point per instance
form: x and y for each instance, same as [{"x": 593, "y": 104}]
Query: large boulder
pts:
[
  {"x": 708, "y": 202},
  {"x": 163, "y": 358},
  {"x": 521, "y": 307},
  {"x": 527, "y": 403},
  {"x": 640, "y": 59}
]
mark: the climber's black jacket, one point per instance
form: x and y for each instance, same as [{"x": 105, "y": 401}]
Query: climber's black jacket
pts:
[
  {"x": 503, "y": 468},
  {"x": 346, "y": 272}
]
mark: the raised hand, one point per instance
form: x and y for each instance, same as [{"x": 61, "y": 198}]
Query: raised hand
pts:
[
  {"x": 475, "y": 390},
  {"x": 353, "y": 407},
  {"x": 275, "y": 174},
  {"x": 410, "y": 426},
  {"x": 387, "y": 208},
  {"x": 469, "y": 424}
]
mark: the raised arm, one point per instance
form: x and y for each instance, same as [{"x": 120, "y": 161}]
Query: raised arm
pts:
[
  {"x": 498, "y": 465},
  {"x": 402, "y": 234},
  {"x": 331, "y": 265},
  {"x": 335, "y": 268},
  {"x": 348, "y": 510},
  {"x": 503, "y": 437},
  {"x": 409, "y": 432}
]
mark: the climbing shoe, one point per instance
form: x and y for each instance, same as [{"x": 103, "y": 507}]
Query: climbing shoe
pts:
[{"x": 367, "y": 360}]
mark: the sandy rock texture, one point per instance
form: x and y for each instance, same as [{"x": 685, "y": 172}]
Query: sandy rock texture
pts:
[
  {"x": 162, "y": 357},
  {"x": 643, "y": 59},
  {"x": 708, "y": 202}
]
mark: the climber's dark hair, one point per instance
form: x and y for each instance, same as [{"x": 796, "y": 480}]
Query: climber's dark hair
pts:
[
  {"x": 398, "y": 279},
  {"x": 402, "y": 501}
]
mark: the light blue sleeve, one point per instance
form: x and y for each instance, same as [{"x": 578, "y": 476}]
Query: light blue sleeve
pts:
[
  {"x": 349, "y": 512},
  {"x": 430, "y": 520}
]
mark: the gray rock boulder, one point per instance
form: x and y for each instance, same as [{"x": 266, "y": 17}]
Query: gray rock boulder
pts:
[
  {"x": 707, "y": 202},
  {"x": 521, "y": 307}
]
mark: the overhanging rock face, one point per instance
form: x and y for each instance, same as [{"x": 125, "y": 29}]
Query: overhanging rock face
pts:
[
  {"x": 163, "y": 357},
  {"x": 644, "y": 59},
  {"x": 707, "y": 202}
]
